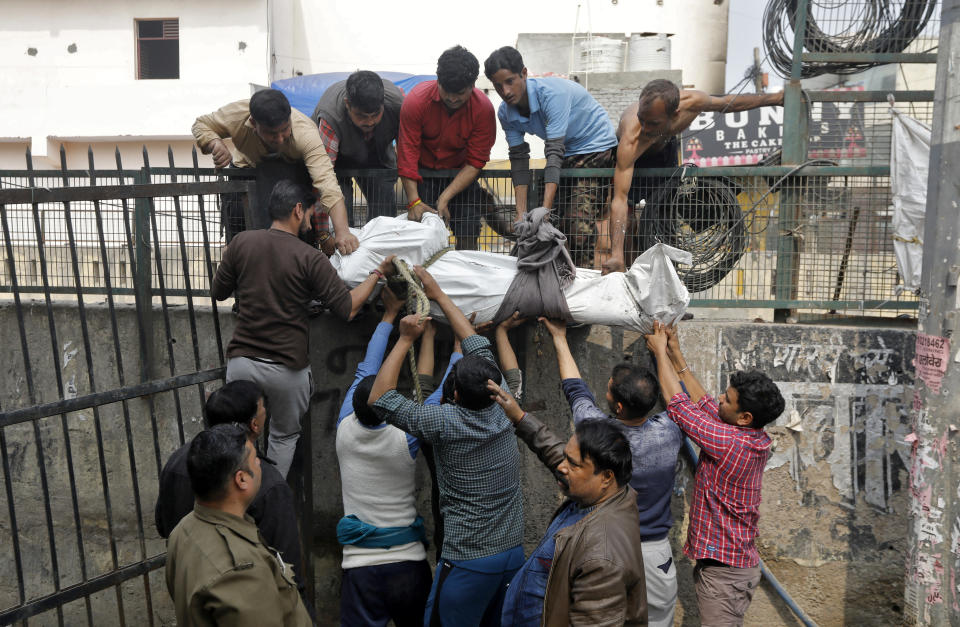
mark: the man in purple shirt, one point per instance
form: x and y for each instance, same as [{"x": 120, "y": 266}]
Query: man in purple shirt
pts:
[{"x": 654, "y": 443}]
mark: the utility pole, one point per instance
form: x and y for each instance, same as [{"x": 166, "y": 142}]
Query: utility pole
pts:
[
  {"x": 933, "y": 542},
  {"x": 757, "y": 71}
]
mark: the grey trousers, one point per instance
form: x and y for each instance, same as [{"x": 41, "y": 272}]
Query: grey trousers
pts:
[
  {"x": 661, "y": 576},
  {"x": 287, "y": 395},
  {"x": 724, "y": 593}
]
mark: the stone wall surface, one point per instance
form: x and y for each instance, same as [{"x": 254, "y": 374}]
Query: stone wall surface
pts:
[{"x": 833, "y": 523}]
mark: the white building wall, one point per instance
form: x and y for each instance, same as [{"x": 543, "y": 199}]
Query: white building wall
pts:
[
  {"x": 343, "y": 35},
  {"x": 92, "y": 95}
]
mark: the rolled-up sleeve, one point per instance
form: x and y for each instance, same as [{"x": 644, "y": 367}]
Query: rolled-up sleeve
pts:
[
  {"x": 314, "y": 154},
  {"x": 421, "y": 421},
  {"x": 484, "y": 132},
  {"x": 409, "y": 138},
  {"x": 217, "y": 125}
]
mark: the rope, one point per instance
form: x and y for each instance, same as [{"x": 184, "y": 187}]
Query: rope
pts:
[{"x": 416, "y": 303}]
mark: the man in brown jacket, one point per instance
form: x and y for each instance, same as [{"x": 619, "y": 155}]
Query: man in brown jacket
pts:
[
  {"x": 588, "y": 569},
  {"x": 219, "y": 571}
]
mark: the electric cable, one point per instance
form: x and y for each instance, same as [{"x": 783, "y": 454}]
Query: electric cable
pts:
[{"x": 841, "y": 26}]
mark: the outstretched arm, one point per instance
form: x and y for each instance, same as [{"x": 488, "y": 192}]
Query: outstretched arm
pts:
[
  {"x": 565, "y": 362},
  {"x": 375, "y": 350},
  {"x": 462, "y": 328},
  {"x": 410, "y": 329},
  {"x": 360, "y": 294},
  {"x": 657, "y": 343},
  {"x": 622, "y": 178},
  {"x": 698, "y": 101},
  {"x": 694, "y": 389},
  {"x": 538, "y": 438},
  {"x": 467, "y": 174}
]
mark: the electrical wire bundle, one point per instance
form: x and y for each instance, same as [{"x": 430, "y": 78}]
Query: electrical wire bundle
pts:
[
  {"x": 842, "y": 26},
  {"x": 702, "y": 216}
]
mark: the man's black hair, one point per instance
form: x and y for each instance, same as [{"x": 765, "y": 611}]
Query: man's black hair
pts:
[
  {"x": 635, "y": 387},
  {"x": 448, "y": 384},
  {"x": 270, "y": 108},
  {"x": 214, "y": 457},
  {"x": 236, "y": 401},
  {"x": 457, "y": 69},
  {"x": 660, "y": 89},
  {"x": 759, "y": 395},
  {"x": 284, "y": 197},
  {"x": 506, "y": 58},
  {"x": 606, "y": 445},
  {"x": 470, "y": 381},
  {"x": 365, "y": 91},
  {"x": 361, "y": 398}
]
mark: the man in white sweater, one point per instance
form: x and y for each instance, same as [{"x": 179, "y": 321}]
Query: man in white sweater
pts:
[{"x": 385, "y": 572}]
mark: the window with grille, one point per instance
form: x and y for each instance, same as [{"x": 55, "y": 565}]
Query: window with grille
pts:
[{"x": 158, "y": 48}]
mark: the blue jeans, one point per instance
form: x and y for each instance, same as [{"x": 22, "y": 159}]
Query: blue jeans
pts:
[{"x": 470, "y": 592}]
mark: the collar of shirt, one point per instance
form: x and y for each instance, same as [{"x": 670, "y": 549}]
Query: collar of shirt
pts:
[
  {"x": 244, "y": 527},
  {"x": 533, "y": 100}
]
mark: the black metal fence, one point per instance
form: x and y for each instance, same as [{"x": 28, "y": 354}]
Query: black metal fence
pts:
[{"x": 99, "y": 261}]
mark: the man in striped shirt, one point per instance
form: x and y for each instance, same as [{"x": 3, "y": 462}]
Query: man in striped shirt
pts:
[{"x": 726, "y": 496}]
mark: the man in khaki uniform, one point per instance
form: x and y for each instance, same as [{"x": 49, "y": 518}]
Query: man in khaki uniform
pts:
[
  {"x": 266, "y": 126},
  {"x": 219, "y": 571}
]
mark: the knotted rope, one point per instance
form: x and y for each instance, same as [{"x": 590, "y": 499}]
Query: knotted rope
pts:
[{"x": 416, "y": 303}]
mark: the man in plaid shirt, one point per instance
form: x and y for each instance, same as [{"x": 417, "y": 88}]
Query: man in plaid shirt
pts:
[
  {"x": 726, "y": 495},
  {"x": 478, "y": 471}
]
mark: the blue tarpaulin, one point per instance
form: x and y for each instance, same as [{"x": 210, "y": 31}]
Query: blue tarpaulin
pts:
[{"x": 304, "y": 92}]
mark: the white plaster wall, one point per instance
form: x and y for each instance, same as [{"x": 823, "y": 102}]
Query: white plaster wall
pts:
[{"x": 93, "y": 95}]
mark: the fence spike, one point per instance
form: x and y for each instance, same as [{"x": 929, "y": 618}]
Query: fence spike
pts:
[
  {"x": 63, "y": 158},
  {"x": 193, "y": 155},
  {"x": 28, "y": 154},
  {"x": 146, "y": 157},
  {"x": 90, "y": 161},
  {"x": 170, "y": 155}
]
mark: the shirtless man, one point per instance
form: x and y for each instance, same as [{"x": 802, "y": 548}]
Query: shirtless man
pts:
[{"x": 648, "y": 134}]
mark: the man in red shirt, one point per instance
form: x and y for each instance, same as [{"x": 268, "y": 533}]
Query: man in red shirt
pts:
[
  {"x": 447, "y": 124},
  {"x": 726, "y": 493}
]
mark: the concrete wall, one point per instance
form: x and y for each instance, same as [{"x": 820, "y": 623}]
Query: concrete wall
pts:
[{"x": 833, "y": 516}]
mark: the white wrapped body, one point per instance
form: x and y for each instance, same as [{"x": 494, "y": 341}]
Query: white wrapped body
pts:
[{"x": 476, "y": 281}]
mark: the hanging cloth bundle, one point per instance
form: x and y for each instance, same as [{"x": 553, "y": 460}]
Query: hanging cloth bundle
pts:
[{"x": 544, "y": 269}]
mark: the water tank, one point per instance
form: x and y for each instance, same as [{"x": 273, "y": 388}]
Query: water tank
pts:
[
  {"x": 648, "y": 52},
  {"x": 601, "y": 54}
]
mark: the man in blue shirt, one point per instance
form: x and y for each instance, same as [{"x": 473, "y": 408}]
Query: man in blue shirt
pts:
[
  {"x": 655, "y": 441},
  {"x": 577, "y": 133}
]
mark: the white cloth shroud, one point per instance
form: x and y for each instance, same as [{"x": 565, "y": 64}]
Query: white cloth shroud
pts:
[
  {"x": 476, "y": 281},
  {"x": 909, "y": 166}
]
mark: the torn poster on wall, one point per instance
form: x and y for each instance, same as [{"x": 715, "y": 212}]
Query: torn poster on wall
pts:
[
  {"x": 848, "y": 389},
  {"x": 933, "y": 354}
]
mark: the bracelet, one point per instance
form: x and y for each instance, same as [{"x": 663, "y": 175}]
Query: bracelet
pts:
[
  {"x": 413, "y": 204},
  {"x": 377, "y": 272},
  {"x": 680, "y": 372}
]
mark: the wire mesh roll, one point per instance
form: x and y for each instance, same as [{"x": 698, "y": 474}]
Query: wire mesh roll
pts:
[
  {"x": 842, "y": 26},
  {"x": 703, "y": 217}
]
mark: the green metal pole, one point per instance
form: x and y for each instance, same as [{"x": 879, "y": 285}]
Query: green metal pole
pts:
[{"x": 795, "y": 133}]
